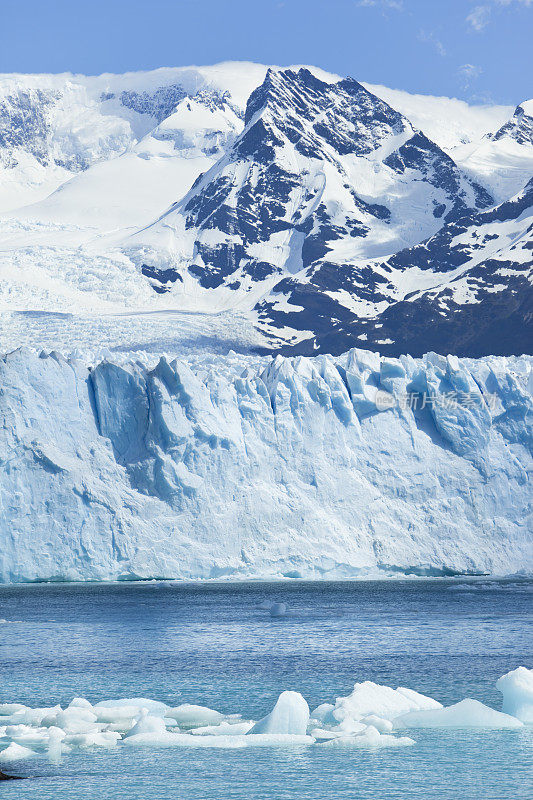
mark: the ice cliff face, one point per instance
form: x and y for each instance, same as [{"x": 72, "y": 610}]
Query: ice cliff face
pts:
[{"x": 244, "y": 466}]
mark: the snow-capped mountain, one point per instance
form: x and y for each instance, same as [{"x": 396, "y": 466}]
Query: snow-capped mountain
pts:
[
  {"x": 468, "y": 288},
  {"x": 323, "y": 174},
  {"x": 502, "y": 161},
  {"x": 305, "y": 202}
]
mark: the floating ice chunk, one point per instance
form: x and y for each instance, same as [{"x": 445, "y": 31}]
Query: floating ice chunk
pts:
[
  {"x": 16, "y": 752},
  {"x": 517, "y": 690},
  {"x": 80, "y": 702},
  {"x": 278, "y": 610},
  {"x": 224, "y": 729},
  {"x": 382, "y": 725},
  {"x": 321, "y": 734},
  {"x": 121, "y": 716},
  {"x": 190, "y": 716},
  {"x": 370, "y": 738},
  {"x": 132, "y": 706},
  {"x": 324, "y": 713},
  {"x": 176, "y": 739},
  {"x": 270, "y": 739},
  {"x": 350, "y": 726},
  {"x": 383, "y": 701},
  {"x": 466, "y": 714},
  {"x": 74, "y": 720},
  {"x": 55, "y": 744},
  {"x": 104, "y": 739},
  {"x": 29, "y": 736},
  {"x": 33, "y": 716},
  {"x": 7, "y": 709},
  {"x": 290, "y": 715},
  {"x": 147, "y": 724}
]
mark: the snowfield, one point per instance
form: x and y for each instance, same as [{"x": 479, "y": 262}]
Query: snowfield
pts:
[{"x": 210, "y": 466}]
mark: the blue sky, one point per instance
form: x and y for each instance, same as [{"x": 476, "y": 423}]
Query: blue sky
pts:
[{"x": 479, "y": 50}]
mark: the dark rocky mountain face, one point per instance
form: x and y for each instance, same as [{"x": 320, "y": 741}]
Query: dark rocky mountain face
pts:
[
  {"x": 325, "y": 179},
  {"x": 520, "y": 127},
  {"x": 481, "y": 301}
]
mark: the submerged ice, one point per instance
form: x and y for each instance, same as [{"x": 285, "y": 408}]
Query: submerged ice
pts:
[
  {"x": 246, "y": 466},
  {"x": 371, "y": 717}
]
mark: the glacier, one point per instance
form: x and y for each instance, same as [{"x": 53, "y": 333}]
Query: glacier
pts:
[{"x": 139, "y": 466}]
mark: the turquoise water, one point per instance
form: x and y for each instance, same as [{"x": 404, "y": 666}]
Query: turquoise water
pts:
[{"x": 211, "y": 644}]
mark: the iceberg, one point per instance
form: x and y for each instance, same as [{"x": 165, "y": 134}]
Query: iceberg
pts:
[
  {"x": 189, "y": 715},
  {"x": 370, "y": 699},
  {"x": 244, "y": 466},
  {"x": 290, "y": 715},
  {"x": 517, "y": 690},
  {"x": 370, "y": 739},
  {"x": 147, "y": 724},
  {"x": 16, "y": 752},
  {"x": 466, "y": 714}
]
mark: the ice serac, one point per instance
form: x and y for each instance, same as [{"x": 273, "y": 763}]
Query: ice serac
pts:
[{"x": 244, "y": 466}]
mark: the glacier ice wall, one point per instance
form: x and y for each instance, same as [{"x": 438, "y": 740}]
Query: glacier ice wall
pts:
[{"x": 242, "y": 466}]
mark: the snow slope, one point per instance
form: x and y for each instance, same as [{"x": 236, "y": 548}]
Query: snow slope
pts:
[
  {"x": 240, "y": 466},
  {"x": 54, "y": 126},
  {"x": 502, "y": 161}
]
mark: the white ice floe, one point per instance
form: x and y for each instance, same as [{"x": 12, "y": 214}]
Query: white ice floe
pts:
[
  {"x": 16, "y": 752},
  {"x": 224, "y": 729},
  {"x": 382, "y": 725},
  {"x": 517, "y": 690},
  {"x": 130, "y": 707},
  {"x": 147, "y": 723},
  {"x": 189, "y": 715},
  {"x": 290, "y": 715},
  {"x": 104, "y": 739},
  {"x": 382, "y": 701},
  {"x": 370, "y": 738},
  {"x": 177, "y": 739},
  {"x": 466, "y": 714},
  {"x": 371, "y": 717}
]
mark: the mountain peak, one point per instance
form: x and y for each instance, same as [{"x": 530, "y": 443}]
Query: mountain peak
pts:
[{"x": 520, "y": 126}]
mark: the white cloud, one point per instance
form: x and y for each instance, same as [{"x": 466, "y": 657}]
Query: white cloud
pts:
[
  {"x": 397, "y": 5},
  {"x": 430, "y": 38},
  {"x": 468, "y": 73},
  {"x": 479, "y": 17}
]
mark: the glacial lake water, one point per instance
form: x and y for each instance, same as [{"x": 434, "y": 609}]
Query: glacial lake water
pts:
[{"x": 213, "y": 645}]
